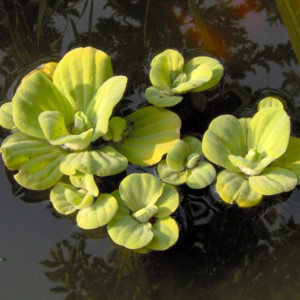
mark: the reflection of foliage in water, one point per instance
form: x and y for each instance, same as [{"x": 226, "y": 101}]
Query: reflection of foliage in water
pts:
[{"x": 122, "y": 276}]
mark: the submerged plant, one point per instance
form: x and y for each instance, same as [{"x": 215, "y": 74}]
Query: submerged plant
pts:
[
  {"x": 258, "y": 154},
  {"x": 183, "y": 165},
  {"x": 170, "y": 77},
  {"x": 143, "y": 220},
  {"x": 55, "y": 122}
]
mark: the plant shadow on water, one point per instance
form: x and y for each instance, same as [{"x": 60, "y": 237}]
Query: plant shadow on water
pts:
[{"x": 224, "y": 252}]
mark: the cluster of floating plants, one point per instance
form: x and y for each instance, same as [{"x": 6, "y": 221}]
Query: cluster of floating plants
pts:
[{"x": 65, "y": 135}]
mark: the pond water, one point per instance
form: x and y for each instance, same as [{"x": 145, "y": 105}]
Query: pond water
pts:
[{"x": 224, "y": 252}]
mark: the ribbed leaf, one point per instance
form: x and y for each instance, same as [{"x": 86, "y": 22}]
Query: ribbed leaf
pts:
[
  {"x": 166, "y": 234},
  {"x": 59, "y": 201},
  {"x": 54, "y": 128},
  {"x": 80, "y": 73},
  {"x": 177, "y": 156},
  {"x": 161, "y": 98},
  {"x": 170, "y": 176},
  {"x": 213, "y": 64},
  {"x": 128, "y": 232},
  {"x": 99, "y": 213},
  {"x": 234, "y": 188},
  {"x": 197, "y": 78},
  {"x": 202, "y": 175},
  {"x": 36, "y": 95},
  {"x": 154, "y": 132},
  {"x": 269, "y": 132},
  {"x": 168, "y": 201},
  {"x": 165, "y": 67},
  {"x": 273, "y": 180},
  {"x": 101, "y": 106},
  {"x": 37, "y": 161},
  {"x": 225, "y": 136},
  {"x": 103, "y": 162},
  {"x": 6, "y": 116},
  {"x": 140, "y": 190},
  {"x": 291, "y": 158}
]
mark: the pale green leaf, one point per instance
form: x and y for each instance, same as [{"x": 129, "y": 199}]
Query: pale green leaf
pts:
[
  {"x": 234, "y": 188},
  {"x": 103, "y": 162},
  {"x": 153, "y": 133},
  {"x": 79, "y": 199},
  {"x": 177, "y": 156},
  {"x": 215, "y": 67},
  {"x": 140, "y": 190},
  {"x": 80, "y": 73},
  {"x": 273, "y": 180},
  {"x": 6, "y": 116},
  {"x": 101, "y": 106},
  {"x": 166, "y": 234},
  {"x": 128, "y": 232},
  {"x": 161, "y": 98},
  {"x": 202, "y": 175},
  {"x": 56, "y": 132},
  {"x": 165, "y": 67},
  {"x": 37, "y": 161},
  {"x": 195, "y": 145},
  {"x": 245, "y": 123},
  {"x": 250, "y": 167},
  {"x": 99, "y": 213},
  {"x": 36, "y": 95},
  {"x": 59, "y": 201},
  {"x": 291, "y": 158},
  {"x": 198, "y": 77},
  {"x": 116, "y": 128},
  {"x": 168, "y": 201},
  {"x": 170, "y": 176},
  {"x": 146, "y": 213},
  {"x": 269, "y": 132},
  {"x": 85, "y": 181},
  {"x": 224, "y": 136}
]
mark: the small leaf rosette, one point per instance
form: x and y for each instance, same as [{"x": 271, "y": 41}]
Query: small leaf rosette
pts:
[
  {"x": 56, "y": 114},
  {"x": 143, "y": 221},
  {"x": 79, "y": 196},
  {"x": 258, "y": 154},
  {"x": 170, "y": 77},
  {"x": 183, "y": 165}
]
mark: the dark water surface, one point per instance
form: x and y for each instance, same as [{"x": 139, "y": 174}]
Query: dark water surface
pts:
[{"x": 224, "y": 252}]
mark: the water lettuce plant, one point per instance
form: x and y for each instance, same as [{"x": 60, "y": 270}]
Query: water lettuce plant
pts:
[
  {"x": 81, "y": 195},
  {"x": 56, "y": 121},
  {"x": 170, "y": 77},
  {"x": 183, "y": 165},
  {"x": 258, "y": 155},
  {"x": 143, "y": 220}
]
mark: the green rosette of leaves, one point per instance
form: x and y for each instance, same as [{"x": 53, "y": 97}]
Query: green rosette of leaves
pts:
[
  {"x": 143, "y": 221},
  {"x": 56, "y": 117},
  {"x": 258, "y": 155},
  {"x": 183, "y": 165},
  {"x": 81, "y": 196},
  {"x": 170, "y": 77}
]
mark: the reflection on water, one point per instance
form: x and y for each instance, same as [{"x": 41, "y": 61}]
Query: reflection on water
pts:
[{"x": 224, "y": 252}]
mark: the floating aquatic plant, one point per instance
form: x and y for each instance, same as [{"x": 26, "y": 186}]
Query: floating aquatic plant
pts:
[
  {"x": 183, "y": 165},
  {"x": 56, "y": 121},
  {"x": 143, "y": 220},
  {"x": 170, "y": 77},
  {"x": 258, "y": 155},
  {"x": 80, "y": 196}
]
